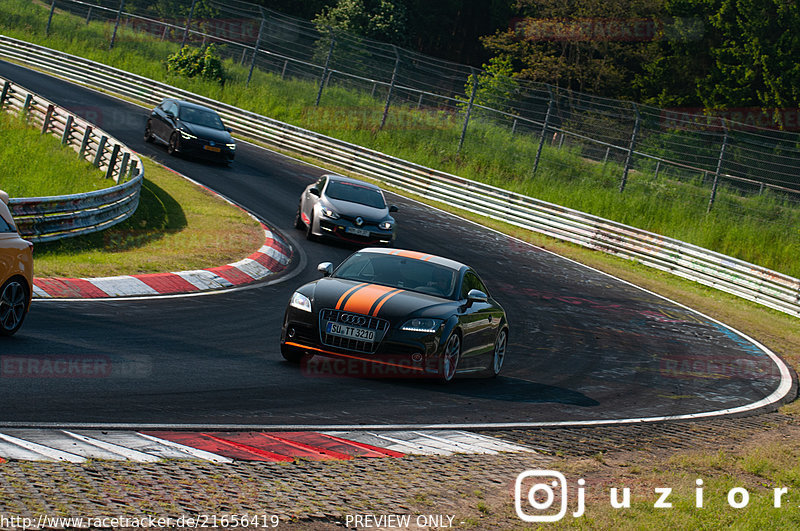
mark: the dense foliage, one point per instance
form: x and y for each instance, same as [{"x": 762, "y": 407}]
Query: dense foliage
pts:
[{"x": 197, "y": 62}]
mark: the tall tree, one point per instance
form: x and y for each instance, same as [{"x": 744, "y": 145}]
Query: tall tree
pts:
[
  {"x": 383, "y": 20},
  {"x": 587, "y": 45}
]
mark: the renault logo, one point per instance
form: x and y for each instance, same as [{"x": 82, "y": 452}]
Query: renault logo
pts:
[
  {"x": 359, "y": 221},
  {"x": 355, "y": 320}
]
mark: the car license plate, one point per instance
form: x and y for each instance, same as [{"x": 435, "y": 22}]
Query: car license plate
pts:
[
  {"x": 211, "y": 148},
  {"x": 350, "y": 332},
  {"x": 357, "y": 231}
]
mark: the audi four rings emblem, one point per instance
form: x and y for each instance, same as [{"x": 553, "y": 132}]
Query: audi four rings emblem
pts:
[
  {"x": 356, "y": 320},
  {"x": 359, "y": 221}
]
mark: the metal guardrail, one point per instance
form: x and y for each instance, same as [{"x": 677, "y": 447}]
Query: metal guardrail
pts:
[
  {"x": 749, "y": 281},
  {"x": 42, "y": 219}
]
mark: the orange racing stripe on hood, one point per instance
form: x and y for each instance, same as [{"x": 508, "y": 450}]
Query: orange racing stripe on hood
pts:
[
  {"x": 376, "y": 307},
  {"x": 347, "y": 293},
  {"x": 361, "y": 301}
]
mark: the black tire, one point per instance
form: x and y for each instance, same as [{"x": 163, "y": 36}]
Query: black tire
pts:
[
  {"x": 298, "y": 220},
  {"x": 13, "y": 306},
  {"x": 499, "y": 354},
  {"x": 174, "y": 146},
  {"x": 291, "y": 354},
  {"x": 309, "y": 230},
  {"x": 451, "y": 355},
  {"x": 148, "y": 133}
]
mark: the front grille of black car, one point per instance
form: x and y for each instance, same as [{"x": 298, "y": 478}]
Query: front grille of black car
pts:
[{"x": 373, "y": 323}]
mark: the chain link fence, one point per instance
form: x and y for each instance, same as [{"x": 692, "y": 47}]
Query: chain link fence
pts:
[{"x": 693, "y": 153}]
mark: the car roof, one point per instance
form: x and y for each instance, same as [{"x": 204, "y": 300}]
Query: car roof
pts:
[
  {"x": 184, "y": 103},
  {"x": 416, "y": 255},
  {"x": 343, "y": 179}
]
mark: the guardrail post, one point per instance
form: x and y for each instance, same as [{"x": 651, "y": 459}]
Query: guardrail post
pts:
[
  {"x": 132, "y": 171},
  {"x": 419, "y": 102},
  {"x": 50, "y": 18},
  {"x": 188, "y": 23},
  {"x": 283, "y": 70},
  {"x": 48, "y": 115},
  {"x": 123, "y": 167},
  {"x": 89, "y": 16},
  {"x": 116, "y": 24},
  {"x": 112, "y": 161},
  {"x": 631, "y": 147},
  {"x": 4, "y": 94},
  {"x": 27, "y": 106},
  {"x": 605, "y": 157},
  {"x": 67, "y": 130},
  {"x": 87, "y": 135},
  {"x": 474, "y": 78},
  {"x": 327, "y": 65},
  {"x": 658, "y": 168},
  {"x": 255, "y": 51},
  {"x": 100, "y": 150},
  {"x": 544, "y": 130},
  {"x": 391, "y": 87},
  {"x": 719, "y": 167},
  {"x": 514, "y": 127}
]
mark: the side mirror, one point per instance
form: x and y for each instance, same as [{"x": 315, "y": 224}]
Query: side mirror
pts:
[
  {"x": 476, "y": 295},
  {"x": 326, "y": 268},
  {"x": 314, "y": 191},
  {"x": 228, "y": 129},
  {"x": 392, "y": 208},
  {"x": 4, "y": 197}
]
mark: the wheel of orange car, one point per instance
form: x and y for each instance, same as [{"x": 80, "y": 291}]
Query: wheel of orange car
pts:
[
  {"x": 13, "y": 298},
  {"x": 450, "y": 357}
]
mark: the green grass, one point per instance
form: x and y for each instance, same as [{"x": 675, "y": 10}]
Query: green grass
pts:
[
  {"x": 178, "y": 226},
  {"x": 762, "y": 229},
  {"x": 36, "y": 165}
]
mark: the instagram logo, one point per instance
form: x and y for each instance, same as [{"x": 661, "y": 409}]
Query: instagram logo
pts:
[{"x": 539, "y": 490}]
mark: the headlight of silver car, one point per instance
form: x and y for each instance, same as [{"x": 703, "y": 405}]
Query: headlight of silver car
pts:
[
  {"x": 422, "y": 325},
  {"x": 385, "y": 225},
  {"x": 328, "y": 213},
  {"x": 300, "y": 301}
]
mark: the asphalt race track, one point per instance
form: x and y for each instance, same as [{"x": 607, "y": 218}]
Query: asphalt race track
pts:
[{"x": 583, "y": 346}]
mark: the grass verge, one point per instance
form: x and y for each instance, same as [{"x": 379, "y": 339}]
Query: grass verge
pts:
[
  {"x": 36, "y": 165},
  {"x": 759, "y": 229},
  {"x": 178, "y": 226}
]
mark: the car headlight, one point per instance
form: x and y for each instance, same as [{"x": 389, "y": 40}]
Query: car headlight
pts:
[
  {"x": 422, "y": 325},
  {"x": 328, "y": 213},
  {"x": 385, "y": 225},
  {"x": 187, "y": 135},
  {"x": 300, "y": 301},
  {"x": 232, "y": 146}
]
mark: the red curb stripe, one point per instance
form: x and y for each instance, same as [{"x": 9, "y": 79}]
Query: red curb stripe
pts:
[
  {"x": 325, "y": 454},
  {"x": 336, "y": 444},
  {"x": 384, "y": 451},
  {"x": 219, "y": 446},
  {"x": 268, "y": 262},
  {"x": 232, "y": 274},
  {"x": 167, "y": 283},
  {"x": 65, "y": 288},
  {"x": 266, "y": 442}
]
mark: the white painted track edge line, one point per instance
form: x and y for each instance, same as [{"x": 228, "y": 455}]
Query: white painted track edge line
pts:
[
  {"x": 46, "y": 451},
  {"x": 467, "y": 447},
  {"x": 195, "y": 452},
  {"x": 128, "y": 453}
]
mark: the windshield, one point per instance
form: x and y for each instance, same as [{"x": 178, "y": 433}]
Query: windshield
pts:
[
  {"x": 355, "y": 193},
  {"x": 400, "y": 272},
  {"x": 201, "y": 117}
]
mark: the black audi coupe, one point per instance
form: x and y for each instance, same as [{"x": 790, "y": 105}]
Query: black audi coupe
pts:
[{"x": 397, "y": 313}]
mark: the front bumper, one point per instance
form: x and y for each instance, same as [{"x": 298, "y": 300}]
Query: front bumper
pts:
[
  {"x": 398, "y": 354},
  {"x": 339, "y": 229},
  {"x": 199, "y": 147}
]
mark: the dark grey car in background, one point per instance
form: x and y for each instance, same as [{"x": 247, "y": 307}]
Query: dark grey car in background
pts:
[
  {"x": 190, "y": 129},
  {"x": 346, "y": 209}
]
